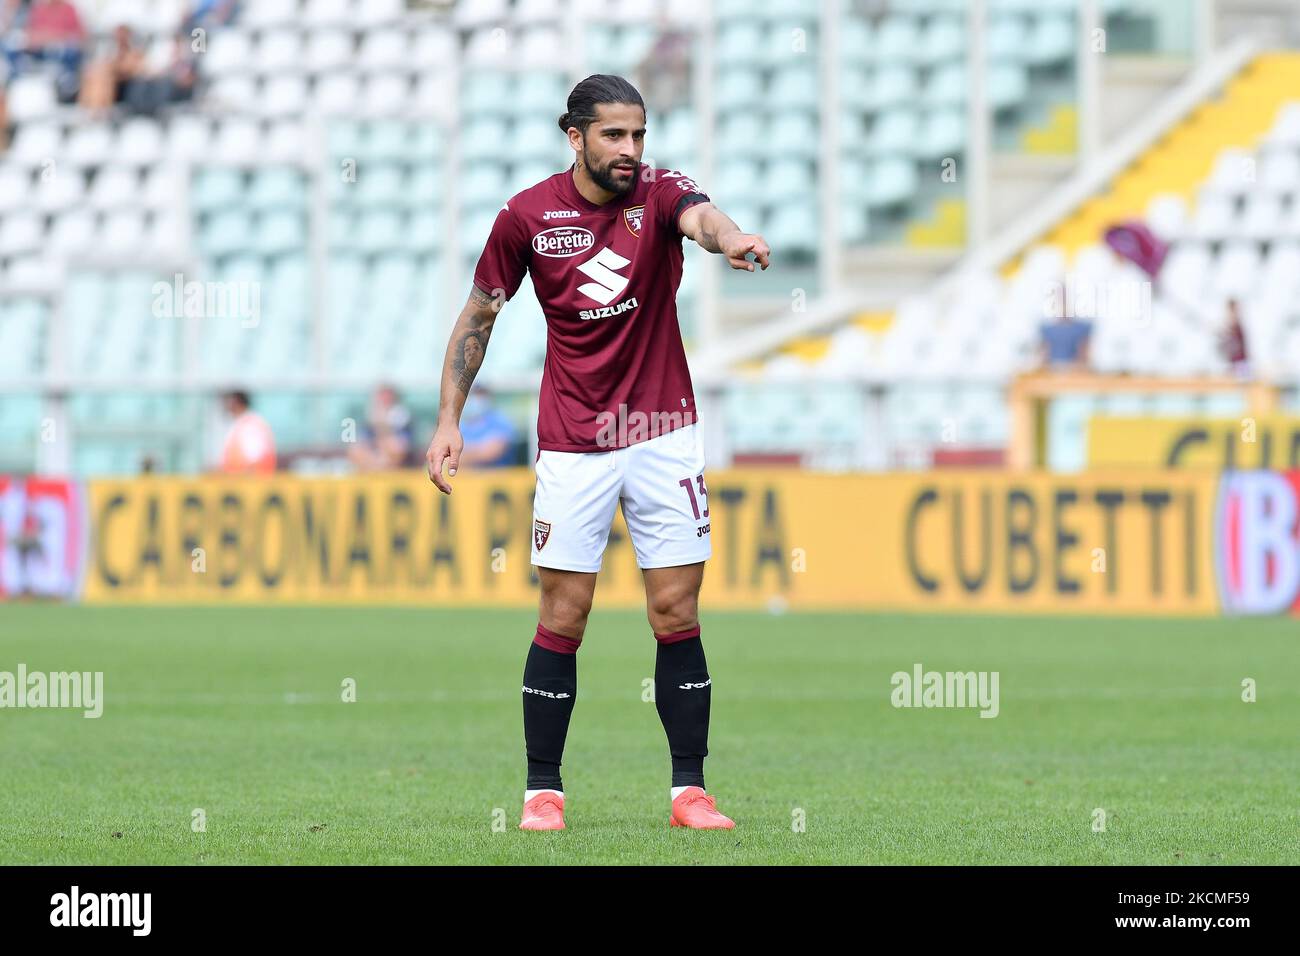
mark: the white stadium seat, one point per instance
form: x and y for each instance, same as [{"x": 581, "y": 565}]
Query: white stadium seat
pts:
[
  {"x": 277, "y": 51},
  {"x": 328, "y": 50},
  {"x": 115, "y": 187},
  {"x": 384, "y": 49},
  {"x": 139, "y": 141},
  {"x": 270, "y": 13},
  {"x": 319, "y": 13},
  {"x": 31, "y": 97}
]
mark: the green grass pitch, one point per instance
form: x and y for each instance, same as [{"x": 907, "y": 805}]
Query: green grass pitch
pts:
[{"x": 239, "y": 712}]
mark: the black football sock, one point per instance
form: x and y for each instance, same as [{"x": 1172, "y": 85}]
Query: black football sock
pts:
[
  {"x": 550, "y": 686},
  {"x": 682, "y": 694}
]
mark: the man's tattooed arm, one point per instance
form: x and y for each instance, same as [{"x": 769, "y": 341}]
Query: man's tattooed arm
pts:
[{"x": 465, "y": 351}]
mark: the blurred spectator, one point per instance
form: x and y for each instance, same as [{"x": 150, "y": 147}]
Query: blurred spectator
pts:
[
  {"x": 146, "y": 95},
  {"x": 4, "y": 107},
  {"x": 1065, "y": 343},
  {"x": 386, "y": 436},
  {"x": 108, "y": 81},
  {"x": 13, "y": 15},
  {"x": 1233, "y": 342},
  {"x": 664, "y": 75},
  {"x": 51, "y": 33},
  {"x": 206, "y": 14},
  {"x": 249, "y": 447},
  {"x": 489, "y": 434}
]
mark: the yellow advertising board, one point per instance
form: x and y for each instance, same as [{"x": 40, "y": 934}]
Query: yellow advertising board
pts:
[
  {"x": 1243, "y": 442},
  {"x": 1125, "y": 542}
]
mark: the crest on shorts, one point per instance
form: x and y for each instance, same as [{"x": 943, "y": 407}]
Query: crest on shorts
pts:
[
  {"x": 632, "y": 219},
  {"x": 541, "y": 531}
]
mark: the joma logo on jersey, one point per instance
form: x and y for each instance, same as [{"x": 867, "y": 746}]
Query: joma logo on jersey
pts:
[
  {"x": 560, "y": 214},
  {"x": 563, "y": 241},
  {"x": 627, "y": 305}
]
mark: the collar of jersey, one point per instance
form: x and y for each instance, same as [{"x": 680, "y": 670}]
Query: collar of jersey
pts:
[{"x": 571, "y": 192}]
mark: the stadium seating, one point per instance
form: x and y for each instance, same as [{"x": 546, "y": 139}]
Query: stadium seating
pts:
[
  {"x": 336, "y": 119},
  {"x": 1223, "y": 189}
]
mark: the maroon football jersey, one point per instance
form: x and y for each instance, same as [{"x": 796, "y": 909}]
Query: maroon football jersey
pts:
[{"x": 606, "y": 277}]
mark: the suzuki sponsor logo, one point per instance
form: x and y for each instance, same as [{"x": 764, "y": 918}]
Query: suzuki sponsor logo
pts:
[
  {"x": 563, "y": 241},
  {"x": 603, "y": 268},
  {"x": 627, "y": 305},
  {"x": 560, "y": 214}
]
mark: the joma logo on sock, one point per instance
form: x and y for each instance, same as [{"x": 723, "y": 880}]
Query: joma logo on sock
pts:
[
  {"x": 695, "y": 686},
  {"x": 544, "y": 693}
]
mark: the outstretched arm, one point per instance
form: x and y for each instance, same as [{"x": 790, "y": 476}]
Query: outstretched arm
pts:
[
  {"x": 465, "y": 352},
  {"x": 714, "y": 231}
]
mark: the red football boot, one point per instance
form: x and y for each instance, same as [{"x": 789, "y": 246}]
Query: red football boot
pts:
[
  {"x": 545, "y": 811},
  {"x": 695, "y": 809}
]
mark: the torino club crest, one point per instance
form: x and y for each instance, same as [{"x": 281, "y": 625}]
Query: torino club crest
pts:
[
  {"x": 632, "y": 219},
  {"x": 541, "y": 531}
]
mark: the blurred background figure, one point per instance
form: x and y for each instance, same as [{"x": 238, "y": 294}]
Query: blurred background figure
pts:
[
  {"x": 1065, "y": 344},
  {"x": 249, "y": 448},
  {"x": 206, "y": 14},
  {"x": 664, "y": 75},
  {"x": 109, "y": 80},
  {"x": 490, "y": 436},
  {"x": 385, "y": 442},
  {"x": 1233, "y": 342},
  {"x": 46, "y": 32}
]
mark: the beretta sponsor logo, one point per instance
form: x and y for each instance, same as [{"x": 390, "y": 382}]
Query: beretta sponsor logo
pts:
[{"x": 563, "y": 241}]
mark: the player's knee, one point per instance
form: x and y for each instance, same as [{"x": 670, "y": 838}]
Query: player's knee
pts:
[
  {"x": 565, "y": 614},
  {"x": 672, "y": 613}
]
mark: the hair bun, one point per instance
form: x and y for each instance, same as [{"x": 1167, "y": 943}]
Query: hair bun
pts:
[{"x": 564, "y": 123}]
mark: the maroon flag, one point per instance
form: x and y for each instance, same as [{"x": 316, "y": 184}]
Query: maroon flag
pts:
[{"x": 1135, "y": 242}]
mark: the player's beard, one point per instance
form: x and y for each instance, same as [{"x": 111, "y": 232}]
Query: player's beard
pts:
[{"x": 604, "y": 177}]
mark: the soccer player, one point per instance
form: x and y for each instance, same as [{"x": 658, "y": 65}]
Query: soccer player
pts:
[{"x": 616, "y": 421}]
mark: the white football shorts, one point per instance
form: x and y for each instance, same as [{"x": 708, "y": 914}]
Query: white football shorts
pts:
[{"x": 660, "y": 483}]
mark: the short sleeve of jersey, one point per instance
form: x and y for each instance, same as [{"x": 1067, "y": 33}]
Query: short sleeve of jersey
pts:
[
  {"x": 505, "y": 256},
  {"x": 671, "y": 194}
]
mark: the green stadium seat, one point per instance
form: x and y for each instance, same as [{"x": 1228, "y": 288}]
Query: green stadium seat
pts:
[
  {"x": 894, "y": 133},
  {"x": 739, "y": 43},
  {"x": 793, "y": 133},
  {"x": 217, "y": 188},
  {"x": 277, "y": 188},
  {"x": 795, "y": 87},
  {"x": 898, "y": 39},
  {"x": 892, "y": 181},
  {"x": 1052, "y": 40},
  {"x": 892, "y": 86}
]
